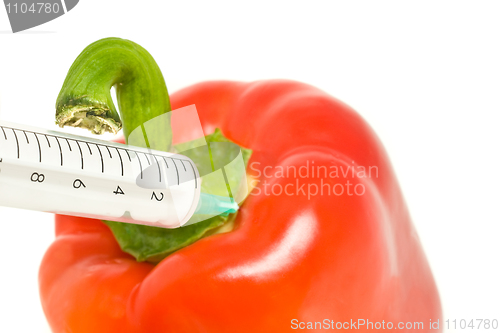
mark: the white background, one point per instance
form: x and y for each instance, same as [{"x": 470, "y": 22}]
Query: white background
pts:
[{"x": 425, "y": 75}]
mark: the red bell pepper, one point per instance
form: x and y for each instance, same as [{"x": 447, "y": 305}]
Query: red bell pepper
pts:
[{"x": 325, "y": 237}]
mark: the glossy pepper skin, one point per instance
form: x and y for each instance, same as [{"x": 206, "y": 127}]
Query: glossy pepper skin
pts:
[{"x": 319, "y": 259}]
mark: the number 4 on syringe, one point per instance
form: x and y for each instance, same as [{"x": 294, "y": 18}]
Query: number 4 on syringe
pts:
[{"x": 118, "y": 190}]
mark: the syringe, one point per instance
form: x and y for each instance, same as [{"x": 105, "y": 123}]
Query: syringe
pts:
[{"x": 66, "y": 174}]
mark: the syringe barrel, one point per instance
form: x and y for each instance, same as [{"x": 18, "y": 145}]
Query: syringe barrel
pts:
[{"x": 65, "y": 174}]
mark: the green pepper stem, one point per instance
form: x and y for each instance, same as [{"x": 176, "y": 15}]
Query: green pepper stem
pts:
[{"x": 85, "y": 100}]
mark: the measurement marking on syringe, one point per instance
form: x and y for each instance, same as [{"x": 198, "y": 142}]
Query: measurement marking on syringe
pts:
[
  {"x": 149, "y": 163},
  {"x": 182, "y": 162},
  {"x": 26, "y": 136},
  {"x": 108, "y": 152},
  {"x": 129, "y": 158},
  {"x": 140, "y": 164},
  {"x": 5, "y": 135},
  {"x": 69, "y": 146},
  {"x": 60, "y": 150},
  {"x": 177, "y": 170},
  {"x": 39, "y": 148},
  {"x": 17, "y": 142},
  {"x": 102, "y": 161},
  {"x": 90, "y": 150},
  {"x": 46, "y": 137},
  {"x": 81, "y": 154},
  {"x": 165, "y": 161},
  {"x": 194, "y": 173},
  {"x": 121, "y": 162},
  {"x": 158, "y": 164}
]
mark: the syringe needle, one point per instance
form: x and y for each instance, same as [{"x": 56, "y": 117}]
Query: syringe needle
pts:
[{"x": 210, "y": 204}]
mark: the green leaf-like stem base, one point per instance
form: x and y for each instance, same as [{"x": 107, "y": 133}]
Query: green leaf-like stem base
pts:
[{"x": 153, "y": 244}]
